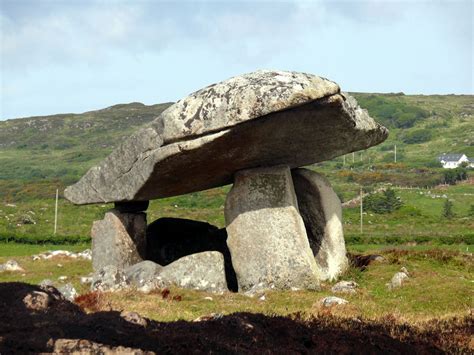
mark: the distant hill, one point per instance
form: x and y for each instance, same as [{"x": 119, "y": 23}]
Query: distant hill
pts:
[{"x": 56, "y": 150}]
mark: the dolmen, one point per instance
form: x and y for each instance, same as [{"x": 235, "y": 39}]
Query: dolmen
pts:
[{"x": 255, "y": 131}]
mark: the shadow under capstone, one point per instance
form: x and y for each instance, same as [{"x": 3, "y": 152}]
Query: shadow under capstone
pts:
[{"x": 169, "y": 239}]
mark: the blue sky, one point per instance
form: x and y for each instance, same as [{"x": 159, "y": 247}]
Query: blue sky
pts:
[{"x": 75, "y": 56}]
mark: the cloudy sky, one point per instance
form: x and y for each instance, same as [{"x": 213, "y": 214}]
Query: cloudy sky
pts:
[{"x": 79, "y": 55}]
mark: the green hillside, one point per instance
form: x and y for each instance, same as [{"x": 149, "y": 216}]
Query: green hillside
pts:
[{"x": 40, "y": 154}]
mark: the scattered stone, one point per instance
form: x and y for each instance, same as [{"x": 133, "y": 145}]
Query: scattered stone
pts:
[
  {"x": 87, "y": 279},
  {"x": 83, "y": 346},
  {"x": 262, "y": 298},
  {"x": 109, "y": 278},
  {"x": 209, "y": 317},
  {"x": 11, "y": 265},
  {"x": 345, "y": 287},
  {"x": 143, "y": 273},
  {"x": 68, "y": 291},
  {"x": 333, "y": 301},
  {"x": 37, "y": 301},
  {"x": 208, "y": 298},
  {"x": 398, "y": 279},
  {"x": 201, "y": 271},
  {"x": 59, "y": 265},
  {"x": 118, "y": 240},
  {"x": 264, "y": 118},
  {"x": 86, "y": 255},
  {"x": 46, "y": 283},
  {"x": 266, "y": 235},
  {"x": 321, "y": 211},
  {"x": 134, "y": 318},
  {"x": 62, "y": 278},
  {"x": 27, "y": 219}
]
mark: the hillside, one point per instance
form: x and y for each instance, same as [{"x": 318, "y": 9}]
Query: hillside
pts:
[
  {"x": 38, "y": 154},
  {"x": 41, "y": 154},
  {"x": 64, "y": 146}
]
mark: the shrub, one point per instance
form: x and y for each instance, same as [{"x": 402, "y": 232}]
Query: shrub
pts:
[
  {"x": 448, "y": 209},
  {"x": 417, "y": 136},
  {"x": 385, "y": 202},
  {"x": 451, "y": 176}
]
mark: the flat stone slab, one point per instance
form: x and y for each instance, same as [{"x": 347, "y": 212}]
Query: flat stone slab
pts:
[
  {"x": 266, "y": 234},
  {"x": 265, "y": 118}
]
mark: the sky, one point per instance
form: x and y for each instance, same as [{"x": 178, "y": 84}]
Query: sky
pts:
[{"x": 80, "y": 55}]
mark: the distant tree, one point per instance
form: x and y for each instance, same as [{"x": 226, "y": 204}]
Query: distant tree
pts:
[
  {"x": 451, "y": 176},
  {"x": 448, "y": 209},
  {"x": 385, "y": 202}
]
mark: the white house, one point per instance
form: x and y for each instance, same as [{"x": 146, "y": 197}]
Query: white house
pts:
[{"x": 451, "y": 161}]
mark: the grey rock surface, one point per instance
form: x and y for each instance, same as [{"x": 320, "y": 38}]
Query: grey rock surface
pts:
[
  {"x": 265, "y": 118},
  {"x": 37, "y": 301},
  {"x": 119, "y": 239},
  {"x": 68, "y": 291},
  {"x": 142, "y": 273},
  {"x": 398, "y": 279},
  {"x": 11, "y": 265},
  {"x": 109, "y": 278},
  {"x": 266, "y": 234},
  {"x": 202, "y": 271},
  {"x": 331, "y": 301},
  {"x": 345, "y": 287},
  {"x": 321, "y": 211}
]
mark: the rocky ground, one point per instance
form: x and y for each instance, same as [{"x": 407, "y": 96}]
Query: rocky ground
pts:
[{"x": 38, "y": 319}]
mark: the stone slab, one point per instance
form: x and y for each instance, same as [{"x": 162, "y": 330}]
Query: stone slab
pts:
[
  {"x": 118, "y": 240},
  {"x": 266, "y": 234},
  {"x": 302, "y": 122},
  {"x": 321, "y": 211}
]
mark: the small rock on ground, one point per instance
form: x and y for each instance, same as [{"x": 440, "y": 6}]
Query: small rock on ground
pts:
[
  {"x": 345, "y": 287},
  {"x": 333, "y": 301}
]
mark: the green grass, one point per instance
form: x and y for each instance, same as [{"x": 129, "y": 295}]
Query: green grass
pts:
[{"x": 440, "y": 286}]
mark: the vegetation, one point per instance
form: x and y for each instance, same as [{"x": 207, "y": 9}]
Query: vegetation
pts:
[
  {"x": 384, "y": 202},
  {"x": 448, "y": 209},
  {"x": 444, "y": 272}
]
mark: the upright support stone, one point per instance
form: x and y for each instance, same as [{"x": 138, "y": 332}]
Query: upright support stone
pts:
[
  {"x": 266, "y": 234},
  {"x": 119, "y": 240},
  {"x": 322, "y": 215}
]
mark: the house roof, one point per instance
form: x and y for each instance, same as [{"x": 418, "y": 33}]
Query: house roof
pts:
[{"x": 450, "y": 157}]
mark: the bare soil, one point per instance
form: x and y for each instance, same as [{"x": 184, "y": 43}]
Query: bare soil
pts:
[{"x": 63, "y": 327}]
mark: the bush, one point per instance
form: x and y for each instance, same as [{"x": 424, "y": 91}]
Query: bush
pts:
[
  {"x": 452, "y": 176},
  {"x": 385, "y": 202},
  {"x": 448, "y": 209},
  {"x": 417, "y": 136}
]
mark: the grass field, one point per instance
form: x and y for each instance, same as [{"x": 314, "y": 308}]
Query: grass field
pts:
[{"x": 441, "y": 285}]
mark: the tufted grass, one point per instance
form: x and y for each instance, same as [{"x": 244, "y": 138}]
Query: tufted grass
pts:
[{"x": 440, "y": 286}]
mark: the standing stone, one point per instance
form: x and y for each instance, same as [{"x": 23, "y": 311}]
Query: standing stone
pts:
[
  {"x": 119, "y": 240},
  {"x": 322, "y": 215},
  {"x": 266, "y": 234}
]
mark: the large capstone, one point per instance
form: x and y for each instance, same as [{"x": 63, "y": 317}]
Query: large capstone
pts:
[
  {"x": 265, "y": 118},
  {"x": 118, "y": 240},
  {"x": 266, "y": 234},
  {"x": 321, "y": 210}
]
